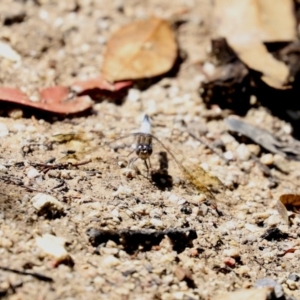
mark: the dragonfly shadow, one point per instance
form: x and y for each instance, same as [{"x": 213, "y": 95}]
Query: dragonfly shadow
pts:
[{"x": 161, "y": 178}]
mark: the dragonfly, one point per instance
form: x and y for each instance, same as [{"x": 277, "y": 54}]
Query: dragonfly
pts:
[{"x": 197, "y": 176}]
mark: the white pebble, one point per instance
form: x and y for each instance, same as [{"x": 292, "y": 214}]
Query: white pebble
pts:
[
  {"x": 228, "y": 155},
  {"x": 109, "y": 261},
  {"x": 133, "y": 95},
  {"x": 273, "y": 220},
  {"x": 123, "y": 190},
  {"x": 3, "y": 130},
  {"x": 267, "y": 159},
  {"x": 3, "y": 169},
  {"x": 156, "y": 222},
  {"x": 32, "y": 172},
  {"x": 53, "y": 245},
  {"x": 43, "y": 202},
  {"x": 243, "y": 153},
  {"x": 232, "y": 252}
]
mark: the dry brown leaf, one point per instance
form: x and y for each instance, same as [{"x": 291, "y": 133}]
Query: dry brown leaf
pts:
[
  {"x": 258, "y": 294},
  {"x": 291, "y": 202},
  {"x": 246, "y": 24},
  {"x": 141, "y": 49}
]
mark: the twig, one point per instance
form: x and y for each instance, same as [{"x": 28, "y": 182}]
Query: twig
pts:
[{"x": 35, "y": 275}]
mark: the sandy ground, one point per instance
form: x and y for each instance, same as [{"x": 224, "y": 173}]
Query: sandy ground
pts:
[{"x": 60, "y": 41}]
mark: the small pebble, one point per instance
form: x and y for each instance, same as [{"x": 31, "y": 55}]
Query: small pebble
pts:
[
  {"x": 46, "y": 204},
  {"x": 243, "y": 153},
  {"x": 32, "y": 173},
  {"x": 15, "y": 113},
  {"x": 281, "y": 163},
  {"x": 269, "y": 282},
  {"x": 109, "y": 261},
  {"x": 156, "y": 222},
  {"x": 229, "y": 261},
  {"x": 3, "y": 169},
  {"x": 232, "y": 252},
  {"x": 273, "y": 220},
  {"x": 3, "y": 130},
  {"x": 267, "y": 159},
  {"x": 53, "y": 246},
  {"x": 294, "y": 277},
  {"x": 123, "y": 190},
  {"x": 129, "y": 173},
  {"x": 228, "y": 155},
  {"x": 134, "y": 95},
  {"x": 5, "y": 243}
]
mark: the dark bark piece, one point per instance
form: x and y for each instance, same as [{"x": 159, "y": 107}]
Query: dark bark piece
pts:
[{"x": 131, "y": 240}]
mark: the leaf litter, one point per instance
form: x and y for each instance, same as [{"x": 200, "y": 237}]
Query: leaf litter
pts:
[{"x": 141, "y": 49}]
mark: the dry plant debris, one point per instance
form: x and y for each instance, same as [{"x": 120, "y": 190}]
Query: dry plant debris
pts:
[
  {"x": 288, "y": 202},
  {"x": 128, "y": 236},
  {"x": 246, "y": 25},
  {"x": 141, "y": 49}
]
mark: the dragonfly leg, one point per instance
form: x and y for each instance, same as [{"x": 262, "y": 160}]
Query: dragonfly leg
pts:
[{"x": 148, "y": 166}]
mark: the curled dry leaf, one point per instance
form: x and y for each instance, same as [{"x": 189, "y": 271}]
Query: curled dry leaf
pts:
[
  {"x": 247, "y": 24},
  {"x": 288, "y": 202},
  {"x": 141, "y": 49},
  {"x": 53, "y": 99},
  {"x": 291, "y": 202},
  {"x": 61, "y": 99},
  {"x": 99, "y": 83}
]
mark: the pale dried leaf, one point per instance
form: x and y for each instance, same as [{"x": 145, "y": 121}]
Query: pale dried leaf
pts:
[
  {"x": 257, "y": 294},
  {"x": 6, "y": 51},
  {"x": 141, "y": 49},
  {"x": 291, "y": 202},
  {"x": 246, "y": 24},
  {"x": 282, "y": 211}
]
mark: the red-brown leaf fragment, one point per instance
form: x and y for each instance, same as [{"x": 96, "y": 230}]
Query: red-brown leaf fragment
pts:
[{"x": 53, "y": 99}]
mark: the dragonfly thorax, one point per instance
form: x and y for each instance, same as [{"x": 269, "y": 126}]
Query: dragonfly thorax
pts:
[{"x": 144, "y": 146}]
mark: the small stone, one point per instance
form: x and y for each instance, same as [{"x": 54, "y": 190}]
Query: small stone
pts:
[
  {"x": 228, "y": 155},
  {"x": 129, "y": 173},
  {"x": 292, "y": 285},
  {"x": 294, "y": 277},
  {"x": 243, "y": 153},
  {"x": 5, "y": 243},
  {"x": 15, "y": 113},
  {"x": 3, "y": 130},
  {"x": 123, "y": 190},
  {"x": 32, "y": 172},
  {"x": 46, "y": 204},
  {"x": 254, "y": 149},
  {"x": 269, "y": 282},
  {"x": 6, "y": 51},
  {"x": 108, "y": 251},
  {"x": 109, "y": 261},
  {"x": 273, "y": 220},
  {"x": 281, "y": 163},
  {"x": 3, "y": 169},
  {"x": 229, "y": 261},
  {"x": 122, "y": 163},
  {"x": 232, "y": 252},
  {"x": 267, "y": 159},
  {"x": 243, "y": 270},
  {"x": 134, "y": 95},
  {"x": 156, "y": 222},
  {"x": 53, "y": 246}
]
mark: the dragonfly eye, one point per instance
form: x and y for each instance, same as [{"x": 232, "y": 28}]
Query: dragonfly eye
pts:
[{"x": 144, "y": 151}]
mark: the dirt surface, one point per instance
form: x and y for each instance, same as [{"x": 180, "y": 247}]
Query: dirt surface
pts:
[{"x": 241, "y": 241}]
